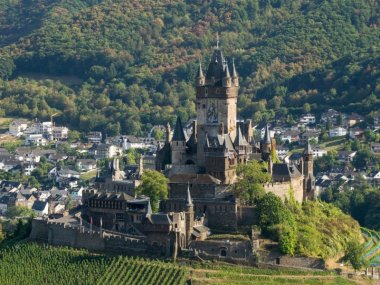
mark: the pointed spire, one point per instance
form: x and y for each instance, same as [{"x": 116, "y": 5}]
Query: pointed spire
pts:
[
  {"x": 226, "y": 71},
  {"x": 267, "y": 139},
  {"x": 200, "y": 71},
  {"x": 217, "y": 40},
  {"x": 149, "y": 209},
  {"x": 240, "y": 139},
  {"x": 234, "y": 73},
  {"x": 189, "y": 201},
  {"x": 308, "y": 149},
  {"x": 179, "y": 134}
]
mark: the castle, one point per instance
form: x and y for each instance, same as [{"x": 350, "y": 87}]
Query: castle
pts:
[{"x": 201, "y": 169}]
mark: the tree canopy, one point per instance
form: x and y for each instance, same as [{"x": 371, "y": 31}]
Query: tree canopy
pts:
[{"x": 155, "y": 186}]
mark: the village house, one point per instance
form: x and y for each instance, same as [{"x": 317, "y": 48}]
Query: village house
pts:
[
  {"x": 17, "y": 127},
  {"x": 346, "y": 156},
  {"x": 307, "y": 119},
  {"x": 35, "y": 140},
  {"x": 290, "y": 136},
  {"x": 41, "y": 208},
  {"x": 60, "y": 133},
  {"x": 282, "y": 152},
  {"x": 94, "y": 137},
  {"x": 318, "y": 151},
  {"x": 353, "y": 119},
  {"x": 86, "y": 164},
  {"x": 337, "y": 132},
  {"x": 331, "y": 116},
  {"x": 356, "y": 133},
  {"x": 102, "y": 151},
  {"x": 375, "y": 148}
]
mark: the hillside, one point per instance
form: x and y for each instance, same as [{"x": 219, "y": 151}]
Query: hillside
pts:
[{"x": 137, "y": 59}]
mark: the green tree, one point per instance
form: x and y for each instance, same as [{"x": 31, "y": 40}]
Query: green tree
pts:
[
  {"x": 154, "y": 185},
  {"x": 19, "y": 211},
  {"x": 73, "y": 136},
  {"x": 251, "y": 177},
  {"x": 355, "y": 255},
  {"x": 273, "y": 214}
]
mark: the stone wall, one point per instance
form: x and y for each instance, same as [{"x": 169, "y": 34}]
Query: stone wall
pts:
[
  {"x": 61, "y": 234},
  {"x": 247, "y": 215},
  {"x": 281, "y": 189},
  {"x": 222, "y": 249},
  {"x": 277, "y": 259}
]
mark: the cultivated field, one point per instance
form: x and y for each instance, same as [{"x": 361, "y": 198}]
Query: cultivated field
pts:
[{"x": 33, "y": 264}]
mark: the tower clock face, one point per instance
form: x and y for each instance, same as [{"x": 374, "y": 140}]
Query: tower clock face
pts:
[{"x": 212, "y": 116}]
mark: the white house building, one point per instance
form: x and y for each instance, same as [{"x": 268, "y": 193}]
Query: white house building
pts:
[{"x": 17, "y": 127}]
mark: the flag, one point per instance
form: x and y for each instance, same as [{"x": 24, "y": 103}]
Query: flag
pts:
[
  {"x": 101, "y": 222},
  {"x": 91, "y": 220},
  {"x": 80, "y": 221}
]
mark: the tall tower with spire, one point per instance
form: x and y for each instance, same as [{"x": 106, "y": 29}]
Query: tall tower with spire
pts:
[
  {"x": 308, "y": 168},
  {"x": 216, "y": 94},
  {"x": 189, "y": 214}
]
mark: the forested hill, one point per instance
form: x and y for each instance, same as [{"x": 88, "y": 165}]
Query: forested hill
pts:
[{"x": 136, "y": 60}]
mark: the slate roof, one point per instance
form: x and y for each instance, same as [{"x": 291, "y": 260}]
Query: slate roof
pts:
[
  {"x": 284, "y": 172},
  {"x": 240, "y": 139},
  {"x": 39, "y": 205},
  {"x": 160, "y": 219},
  {"x": 179, "y": 134}
]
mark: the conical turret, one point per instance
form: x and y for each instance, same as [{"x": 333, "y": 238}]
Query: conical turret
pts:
[
  {"x": 235, "y": 78},
  {"x": 179, "y": 134},
  {"x": 267, "y": 135},
  {"x": 200, "y": 77},
  {"x": 226, "y": 76}
]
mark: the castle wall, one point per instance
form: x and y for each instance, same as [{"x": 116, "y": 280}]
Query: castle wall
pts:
[
  {"x": 61, "y": 234},
  {"x": 282, "y": 189},
  {"x": 247, "y": 215},
  {"x": 275, "y": 258},
  {"x": 222, "y": 249}
]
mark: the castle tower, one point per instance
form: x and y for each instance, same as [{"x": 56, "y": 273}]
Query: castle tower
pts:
[
  {"x": 178, "y": 144},
  {"x": 308, "y": 168},
  {"x": 266, "y": 144},
  {"x": 216, "y": 102},
  {"x": 189, "y": 214},
  {"x": 307, "y": 160}
]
